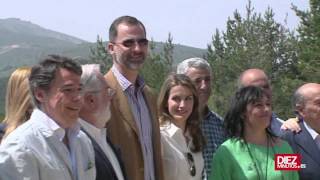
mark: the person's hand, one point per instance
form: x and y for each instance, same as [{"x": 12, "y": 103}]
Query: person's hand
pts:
[{"x": 291, "y": 124}]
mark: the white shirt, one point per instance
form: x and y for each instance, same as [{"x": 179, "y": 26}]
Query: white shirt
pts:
[
  {"x": 174, "y": 149},
  {"x": 71, "y": 133},
  {"x": 99, "y": 135},
  {"x": 35, "y": 151}
]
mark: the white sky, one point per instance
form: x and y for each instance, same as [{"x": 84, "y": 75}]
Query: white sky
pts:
[{"x": 191, "y": 22}]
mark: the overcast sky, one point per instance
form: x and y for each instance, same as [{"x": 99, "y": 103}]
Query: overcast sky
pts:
[{"x": 191, "y": 22}]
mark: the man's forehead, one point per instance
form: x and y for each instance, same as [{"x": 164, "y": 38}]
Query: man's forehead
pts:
[
  {"x": 65, "y": 77},
  {"x": 260, "y": 81},
  {"x": 255, "y": 80},
  {"x": 309, "y": 89},
  {"x": 312, "y": 95},
  {"x": 192, "y": 71},
  {"x": 127, "y": 29}
]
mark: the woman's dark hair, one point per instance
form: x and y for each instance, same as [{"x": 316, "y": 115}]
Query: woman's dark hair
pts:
[
  {"x": 234, "y": 119},
  {"x": 193, "y": 121}
]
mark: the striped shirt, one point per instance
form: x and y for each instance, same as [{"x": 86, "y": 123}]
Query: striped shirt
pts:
[{"x": 142, "y": 117}]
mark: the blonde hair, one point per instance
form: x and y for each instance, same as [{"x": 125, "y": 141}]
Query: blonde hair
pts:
[{"x": 18, "y": 99}]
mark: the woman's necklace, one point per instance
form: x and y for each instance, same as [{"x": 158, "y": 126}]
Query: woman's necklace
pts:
[{"x": 254, "y": 162}]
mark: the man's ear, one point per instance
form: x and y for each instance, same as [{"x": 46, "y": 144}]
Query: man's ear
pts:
[
  {"x": 299, "y": 109},
  {"x": 89, "y": 101},
  {"x": 40, "y": 94},
  {"x": 110, "y": 48},
  {"x": 88, "y": 98}
]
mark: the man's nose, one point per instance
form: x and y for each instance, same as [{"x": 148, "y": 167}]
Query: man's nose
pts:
[{"x": 203, "y": 84}]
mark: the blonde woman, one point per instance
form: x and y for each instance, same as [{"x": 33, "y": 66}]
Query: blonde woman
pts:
[
  {"x": 18, "y": 105},
  {"x": 181, "y": 136}
]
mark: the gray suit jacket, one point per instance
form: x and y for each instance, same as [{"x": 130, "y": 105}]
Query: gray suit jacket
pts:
[{"x": 303, "y": 144}]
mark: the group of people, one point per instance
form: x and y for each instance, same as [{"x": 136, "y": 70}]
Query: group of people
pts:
[{"x": 71, "y": 122}]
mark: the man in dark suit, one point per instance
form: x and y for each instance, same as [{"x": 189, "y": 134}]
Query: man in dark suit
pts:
[
  {"x": 306, "y": 101},
  {"x": 94, "y": 115}
]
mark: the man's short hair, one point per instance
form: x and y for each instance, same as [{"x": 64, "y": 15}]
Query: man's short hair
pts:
[
  {"x": 113, "y": 30},
  {"x": 89, "y": 77},
  {"x": 44, "y": 73},
  {"x": 195, "y": 62}
]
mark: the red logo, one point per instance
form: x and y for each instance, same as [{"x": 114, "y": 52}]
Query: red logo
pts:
[{"x": 289, "y": 162}]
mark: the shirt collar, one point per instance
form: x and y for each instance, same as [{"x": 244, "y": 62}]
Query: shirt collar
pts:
[
  {"x": 171, "y": 129},
  {"x": 124, "y": 82},
  {"x": 312, "y": 132},
  {"x": 52, "y": 128},
  {"x": 92, "y": 130}
]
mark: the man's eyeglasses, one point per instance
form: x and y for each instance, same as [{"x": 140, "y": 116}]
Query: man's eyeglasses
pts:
[
  {"x": 129, "y": 43},
  {"x": 192, "y": 167}
]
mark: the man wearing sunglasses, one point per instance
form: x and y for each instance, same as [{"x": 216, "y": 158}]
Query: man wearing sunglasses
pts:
[{"x": 133, "y": 125}]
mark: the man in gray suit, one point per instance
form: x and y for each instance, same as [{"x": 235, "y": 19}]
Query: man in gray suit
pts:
[{"x": 306, "y": 101}]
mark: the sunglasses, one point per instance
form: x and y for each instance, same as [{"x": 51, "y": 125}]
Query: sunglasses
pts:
[
  {"x": 129, "y": 43},
  {"x": 192, "y": 167}
]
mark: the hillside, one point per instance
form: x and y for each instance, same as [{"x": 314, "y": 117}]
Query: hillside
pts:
[{"x": 23, "y": 43}]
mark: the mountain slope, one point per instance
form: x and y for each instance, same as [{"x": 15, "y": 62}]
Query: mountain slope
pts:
[{"x": 23, "y": 43}]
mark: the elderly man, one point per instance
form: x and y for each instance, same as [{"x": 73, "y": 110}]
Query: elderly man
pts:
[
  {"x": 306, "y": 102},
  {"x": 199, "y": 71},
  {"x": 94, "y": 115},
  {"x": 133, "y": 125},
  {"x": 50, "y": 145}
]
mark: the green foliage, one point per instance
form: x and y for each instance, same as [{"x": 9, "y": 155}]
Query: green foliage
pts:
[
  {"x": 100, "y": 55},
  {"x": 154, "y": 68},
  {"x": 309, "y": 42},
  {"x": 253, "y": 41},
  {"x": 168, "y": 51},
  {"x": 158, "y": 65}
]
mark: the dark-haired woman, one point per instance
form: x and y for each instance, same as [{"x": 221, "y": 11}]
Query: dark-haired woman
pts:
[
  {"x": 249, "y": 153},
  {"x": 181, "y": 137}
]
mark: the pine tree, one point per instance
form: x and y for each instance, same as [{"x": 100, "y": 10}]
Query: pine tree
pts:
[
  {"x": 309, "y": 42},
  {"x": 100, "y": 55},
  {"x": 253, "y": 41}
]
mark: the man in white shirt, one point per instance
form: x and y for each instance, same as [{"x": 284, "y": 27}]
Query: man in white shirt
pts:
[
  {"x": 94, "y": 115},
  {"x": 50, "y": 145},
  {"x": 306, "y": 102}
]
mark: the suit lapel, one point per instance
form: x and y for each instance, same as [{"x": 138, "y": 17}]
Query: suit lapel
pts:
[
  {"x": 117, "y": 152},
  {"x": 96, "y": 146},
  {"x": 120, "y": 100},
  {"x": 305, "y": 141}
]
